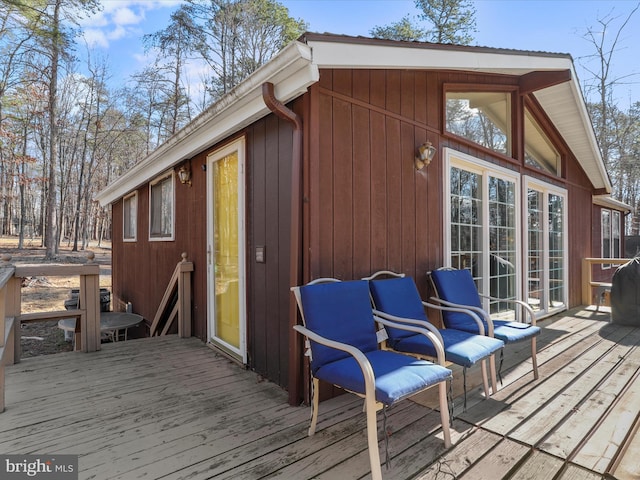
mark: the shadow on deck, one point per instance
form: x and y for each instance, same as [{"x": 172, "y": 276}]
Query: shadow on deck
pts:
[{"x": 171, "y": 408}]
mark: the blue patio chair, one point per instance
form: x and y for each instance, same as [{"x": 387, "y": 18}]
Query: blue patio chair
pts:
[
  {"x": 457, "y": 288},
  {"x": 397, "y": 299},
  {"x": 340, "y": 328}
]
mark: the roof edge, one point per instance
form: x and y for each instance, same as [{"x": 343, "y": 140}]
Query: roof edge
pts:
[{"x": 291, "y": 71}]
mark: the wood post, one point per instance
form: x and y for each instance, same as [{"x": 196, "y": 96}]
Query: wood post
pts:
[
  {"x": 89, "y": 301},
  {"x": 12, "y": 309},
  {"x": 7, "y": 323},
  {"x": 184, "y": 297}
]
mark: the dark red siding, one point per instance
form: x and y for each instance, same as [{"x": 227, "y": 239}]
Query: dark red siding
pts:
[
  {"x": 365, "y": 207},
  {"x": 142, "y": 269}
]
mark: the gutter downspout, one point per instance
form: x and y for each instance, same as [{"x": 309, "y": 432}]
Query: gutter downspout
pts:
[{"x": 295, "y": 349}]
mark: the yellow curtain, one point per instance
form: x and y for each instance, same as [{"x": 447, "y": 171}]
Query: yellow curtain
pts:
[{"x": 225, "y": 181}]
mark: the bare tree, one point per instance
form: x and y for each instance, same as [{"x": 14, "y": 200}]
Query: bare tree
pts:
[
  {"x": 235, "y": 37},
  {"x": 616, "y": 130}
]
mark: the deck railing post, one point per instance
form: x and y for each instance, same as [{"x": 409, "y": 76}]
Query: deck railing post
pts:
[
  {"x": 7, "y": 322},
  {"x": 184, "y": 297},
  {"x": 586, "y": 282},
  {"x": 90, "y": 302}
]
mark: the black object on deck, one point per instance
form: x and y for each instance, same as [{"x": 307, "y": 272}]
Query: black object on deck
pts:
[{"x": 625, "y": 294}]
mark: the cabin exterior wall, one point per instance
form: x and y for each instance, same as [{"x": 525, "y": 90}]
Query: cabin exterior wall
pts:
[{"x": 369, "y": 208}]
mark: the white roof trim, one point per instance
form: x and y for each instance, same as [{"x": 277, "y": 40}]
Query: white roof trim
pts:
[
  {"x": 332, "y": 54},
  {"x": 291, "y": 72},
  {"x": 297, "y": 66},
  {"x": 609, "y": 202}
]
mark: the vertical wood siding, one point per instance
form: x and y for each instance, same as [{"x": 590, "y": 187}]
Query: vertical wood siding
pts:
[
  {"x": 142, "y": 269},
  {"x": 365, "y": 207},
  {"x": 372, "y": 209}
]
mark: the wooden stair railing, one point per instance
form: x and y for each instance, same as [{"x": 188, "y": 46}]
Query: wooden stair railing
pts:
[{"x": 177, "y": 297}]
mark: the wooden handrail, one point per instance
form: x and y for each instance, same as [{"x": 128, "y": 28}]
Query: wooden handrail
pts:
[
  {"x": 180, "y": 282},
  {"x": 587, "y": 280}
]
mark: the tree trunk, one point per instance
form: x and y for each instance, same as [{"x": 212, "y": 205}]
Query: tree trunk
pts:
[{"x": 50, "y": 230}]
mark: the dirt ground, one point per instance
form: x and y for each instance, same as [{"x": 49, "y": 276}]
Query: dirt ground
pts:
[{"x": 41, "y": 294}]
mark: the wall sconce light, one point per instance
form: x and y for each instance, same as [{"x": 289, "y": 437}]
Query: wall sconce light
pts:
[
  {"x": 184, "y": 173},
  {"x": 426, "y": 152}
]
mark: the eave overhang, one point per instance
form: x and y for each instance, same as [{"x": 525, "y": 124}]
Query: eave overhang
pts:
[
  {"x": 550, "y": 77},
  {"x": 291, "y": 71}
]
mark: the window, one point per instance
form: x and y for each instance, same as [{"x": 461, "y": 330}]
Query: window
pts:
[
  {"x": 130, "y": 217},
  {"x": 605, "y": 225},
  {"x": 482, "y": 226},
  {"x": 494, "y": 214},
  {"x": 161, "y": 205},
  {"x": 610, "y": 225},
  {"x": 539, "y": 152},
  {"x": 615, "y": 235},
  {"x": 481, "y": 117},
  {"x": 546, "y": 245}
]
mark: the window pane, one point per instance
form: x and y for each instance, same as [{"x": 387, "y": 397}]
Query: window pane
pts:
[
  {"x": 606, "y": 234},
  {"x": 556, "y": 251},
  {"x": 615, "y": 234},
  {"x": 535, "y": 252},
  {"x": 466, "y": 230},
  {"x": 502, "y": 244},
  {"x": 539, "y": 152},
  {"x": 130, "y": 217},
  {"x": 161, "y": 208},
  {"x": 482, "y": 117}
]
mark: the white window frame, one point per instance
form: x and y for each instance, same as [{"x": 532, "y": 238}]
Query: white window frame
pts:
[
  {"x": 603, "y": 211},
  {"x": 547, "y": 188},
  {"x": 170, "y": 236},
  {"x": 454, "y": 158},
  {"x": 130, "y": 201},
  {"x": 616, "y": 218},
  {"x": 238, "y": 146}
]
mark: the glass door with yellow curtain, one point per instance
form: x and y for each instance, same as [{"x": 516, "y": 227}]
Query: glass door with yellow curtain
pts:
[{"x": 225, "y": 249}]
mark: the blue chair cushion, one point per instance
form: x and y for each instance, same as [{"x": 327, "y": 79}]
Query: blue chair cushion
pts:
[
  {"x": 461, "y": 348},
  {"x": 510, "y": 332},
  {"x": 399, "y": 297},
  {"x": 339, "y": 311},
  {"x": 397, "y": 375},
  {"x": 457, "y": 286}
]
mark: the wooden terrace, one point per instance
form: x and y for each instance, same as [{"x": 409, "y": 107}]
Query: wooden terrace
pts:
[{"x": 171, "y": 408}]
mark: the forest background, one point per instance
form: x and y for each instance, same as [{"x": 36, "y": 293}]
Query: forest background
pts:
[{"x": 67, "y": 129}]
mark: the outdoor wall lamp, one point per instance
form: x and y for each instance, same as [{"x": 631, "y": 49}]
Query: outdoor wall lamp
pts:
[
  {"x": 184, "y": 173},
  {"x": 426, "y": 152}
]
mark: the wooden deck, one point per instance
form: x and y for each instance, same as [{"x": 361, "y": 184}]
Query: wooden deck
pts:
[{"x": 172, "y": 408}]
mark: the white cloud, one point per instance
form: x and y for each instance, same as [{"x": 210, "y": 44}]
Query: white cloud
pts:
[
  {"x": 95, "y": 38},
  {"x": 121, "y": 19},
  {"x": 126, "y": 16}
]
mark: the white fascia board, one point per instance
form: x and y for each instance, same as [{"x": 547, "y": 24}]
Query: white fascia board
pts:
[
  {"x": 609, "y": 202},
  {"x": 291, "y": 72},
  {"x": 356, "y": 55}
]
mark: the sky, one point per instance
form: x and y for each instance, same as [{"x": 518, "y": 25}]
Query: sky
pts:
[{"x": 558, "y": 26}]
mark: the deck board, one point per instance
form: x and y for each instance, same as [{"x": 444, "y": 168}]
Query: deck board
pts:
[{"x": 172, "y": 408}]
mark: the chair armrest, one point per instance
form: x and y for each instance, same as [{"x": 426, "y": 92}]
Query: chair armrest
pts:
[
  {"x": 525, "y": 306},
  {"x": 365, "y": 366},
  {"x": 473, "y": 315},
  {"x": 434, "y": 338},
  {"x": 468, "y": 310},
  {"x": 413, "y": 321}
]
